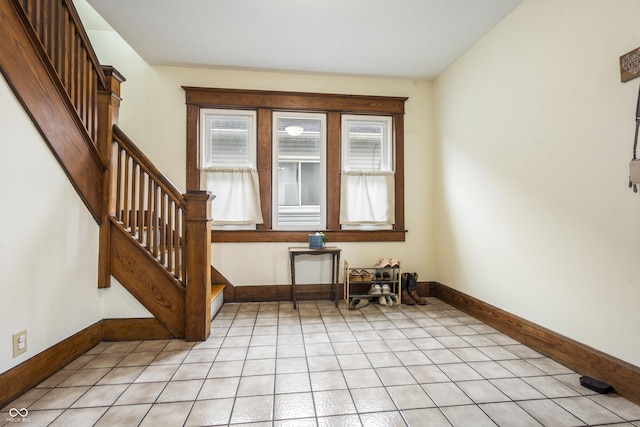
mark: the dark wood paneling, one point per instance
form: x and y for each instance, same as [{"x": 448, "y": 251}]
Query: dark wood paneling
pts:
[
  {"x": 134, "y": 329},
  {"x": 154, "y": 287},
  {"x": 585, "y": 360},
  {"x": 33, "y": 371}
]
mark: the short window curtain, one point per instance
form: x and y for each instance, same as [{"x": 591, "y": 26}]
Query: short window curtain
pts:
[
  {"x": 367, "y": 197},
  {"x": 237, "y": 192}
]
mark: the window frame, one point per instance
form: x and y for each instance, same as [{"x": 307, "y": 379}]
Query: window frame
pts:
[{"x": 334, "y": 106}]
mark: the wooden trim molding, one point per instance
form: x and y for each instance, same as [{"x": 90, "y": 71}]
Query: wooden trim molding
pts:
[
  {"x": 134, "y": 329},
  {"x": 33, "y": 371},
  {"x": 585, "y": 360}
]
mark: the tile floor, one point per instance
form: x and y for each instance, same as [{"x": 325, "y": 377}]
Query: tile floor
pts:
[{"x": 266, "y": 364}]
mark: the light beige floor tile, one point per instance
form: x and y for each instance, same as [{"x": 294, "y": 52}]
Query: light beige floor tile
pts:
[
  {"x": 375, "y": 399},
  {"x": 431, "y": 417},
  {"x": 157, "y": 373},
  {"x": 548, "y": 413},
  {"x": 382, "y": 419},
  {"x": 517, "y": 389},
  {"x": 588, "y": 411},
  {"x": 79, "y": 417},
  {"x": 321, "y": 381},
  {"x": 295, "y": 383},
  {"x": 210, "y": 412},
  {"x": 219, "y": 388},
  {"x": 508, "y": 414},
  {"x": 100, "y": 395},
  {"x": 333, "y": 402},
  {"x": 550, "y": 387},
  {"x": 482, "y": 391},
  {"x": 293, "y": 405},
  {"x": 180, "y": 391},
  {"x": 59, "y": 398},
  {"x": 619, "y": 405},
  {"x": 252, "y": 409},
  {"x": 446, "y": 394},
  {"x": 467, "y": 415},
  {"x": 361, "y": 378},
  {"x": 141, "y": 393},
  {"x": 410, "y": 397},
  {"x": 167, "y": 414},
  {"x": 256, "y": 385},
  {"x": 121, "y": 375},
  {"x": 128, "y": 415}
]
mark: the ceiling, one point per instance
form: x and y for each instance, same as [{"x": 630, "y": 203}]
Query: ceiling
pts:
[{"x": 415, "y": 39}]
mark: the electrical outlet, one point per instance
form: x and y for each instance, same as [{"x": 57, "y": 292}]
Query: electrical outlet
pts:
[{"x": 19, "y": 343}]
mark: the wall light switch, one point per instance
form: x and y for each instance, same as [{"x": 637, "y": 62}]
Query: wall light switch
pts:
[{"x": 19, "y": 343}]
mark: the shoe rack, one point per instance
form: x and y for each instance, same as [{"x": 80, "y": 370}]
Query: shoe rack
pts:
[{"x": 362, "y": 283}]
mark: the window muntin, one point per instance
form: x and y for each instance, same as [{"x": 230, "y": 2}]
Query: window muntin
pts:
[{"x": 299, "y": 158}]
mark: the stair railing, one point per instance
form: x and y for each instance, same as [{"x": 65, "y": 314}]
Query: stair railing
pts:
[
  {"x": 149, "y": 206},
  {"x": 57, "y": 27}
]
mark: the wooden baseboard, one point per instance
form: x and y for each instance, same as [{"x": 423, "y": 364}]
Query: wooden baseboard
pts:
[
  {"x": 283, "y": 292},
  {"x": 134, "y": 329},
  {"x": 585, "y": 360},
  {"x": 33, "y": 371}
]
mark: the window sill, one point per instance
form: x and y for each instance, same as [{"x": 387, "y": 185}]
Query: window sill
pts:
[{"x": 236, "y": 236}]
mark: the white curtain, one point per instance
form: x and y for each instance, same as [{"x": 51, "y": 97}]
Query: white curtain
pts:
[
  {"x": 237, "y": 192},
  {"x": 367, "y": 197}
]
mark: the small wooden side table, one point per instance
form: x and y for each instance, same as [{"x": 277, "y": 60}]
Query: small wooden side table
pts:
[{"x": 335, "y": 265}]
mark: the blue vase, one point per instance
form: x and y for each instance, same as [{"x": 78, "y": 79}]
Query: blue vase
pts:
[{"x": 315, "y": 242}]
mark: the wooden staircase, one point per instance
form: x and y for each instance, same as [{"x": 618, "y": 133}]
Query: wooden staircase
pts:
[{"x": 154, "y": 240}]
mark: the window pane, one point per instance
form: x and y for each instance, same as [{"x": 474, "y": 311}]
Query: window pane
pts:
[
  {"x": 299, "y": 153},
  {"x": 228, "y": 140},
  {"x": 367, "y": 143},
  {"x": 310, "y": 183},
  {"x": 288, "y": 184}
]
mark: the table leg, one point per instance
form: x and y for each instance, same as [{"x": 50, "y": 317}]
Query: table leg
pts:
[{"x": 293, "y": 280}]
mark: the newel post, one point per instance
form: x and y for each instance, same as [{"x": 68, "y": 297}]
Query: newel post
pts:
[
  {"x": 197, "y": 237},
  {"x": 108, "y": 111}
]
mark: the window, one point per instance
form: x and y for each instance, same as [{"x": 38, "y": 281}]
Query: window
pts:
[
  {"x": 367, "y": 184},
  {"x": 321, "y": 162},
  {"x": 228, "y": 167},
  {"x": 299, "y": 152}
]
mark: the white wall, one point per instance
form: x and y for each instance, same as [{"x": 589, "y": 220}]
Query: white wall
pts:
[
  {"x": 48, "y": 243},
  {"x": 533, "y": 212},
  {"x": 153, "y": 114}
]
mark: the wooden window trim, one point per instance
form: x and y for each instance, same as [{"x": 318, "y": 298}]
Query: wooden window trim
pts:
[{"x": 265, "y": 102}]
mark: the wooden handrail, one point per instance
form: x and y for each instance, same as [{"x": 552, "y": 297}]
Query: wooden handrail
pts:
[{"x": 63, "y": 39}]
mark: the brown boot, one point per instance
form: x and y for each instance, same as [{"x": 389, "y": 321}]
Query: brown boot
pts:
[
  {"x": 406, "y": 298},
  {"x": 418, "y": 298}
]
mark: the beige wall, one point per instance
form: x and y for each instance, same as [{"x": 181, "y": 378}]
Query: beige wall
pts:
[
  {"x": 533, "y": 212},
  {"x": 48, "y": 243},
  {"x": 153, "y": 114}
]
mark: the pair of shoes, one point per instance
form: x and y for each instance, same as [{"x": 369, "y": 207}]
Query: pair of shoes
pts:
[
  {"x": 386, "y": 262},
  {"x": 357, "y": 303},
  {"x": 375, "y": 290},
  {"x": 389, "y": 300},
  {"x": 359, "y": 276},
  {"x": 417, "y": 298},
  {"x": 382, "y": 276},
  {"x": 406, "y": 298}
]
